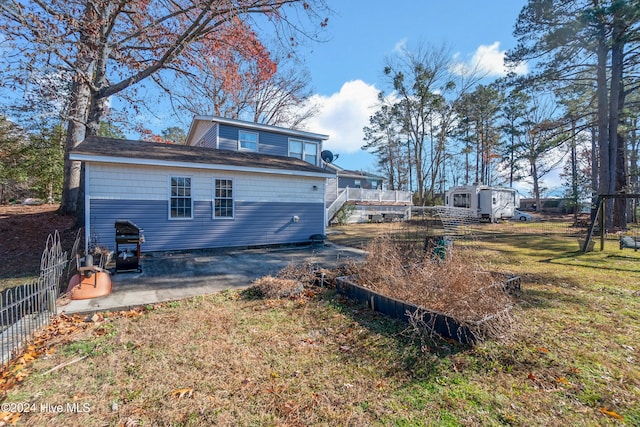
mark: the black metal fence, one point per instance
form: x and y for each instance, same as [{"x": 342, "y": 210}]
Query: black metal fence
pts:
[{"x": 27, "y": 308}]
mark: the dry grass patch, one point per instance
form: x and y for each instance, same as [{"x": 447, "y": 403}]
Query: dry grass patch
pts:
[
  {"x": 458, "y": 285},
  {"x": 225, "y": 360}
]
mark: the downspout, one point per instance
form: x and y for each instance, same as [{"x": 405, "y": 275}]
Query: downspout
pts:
[
  {"x": 324, "y": 207},
  {"x": 87, "y": 212}
]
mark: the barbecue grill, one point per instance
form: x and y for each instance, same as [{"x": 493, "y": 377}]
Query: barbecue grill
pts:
[{"x": 129, "y": 237}]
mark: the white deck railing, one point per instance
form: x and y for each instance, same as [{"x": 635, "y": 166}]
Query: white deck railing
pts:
[
  {"x": 366, "y": 195},
  {"x": 336, "y": 204}
]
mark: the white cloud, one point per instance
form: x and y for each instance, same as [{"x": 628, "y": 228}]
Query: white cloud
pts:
[
  {"x": 342, "y": 116},
  {"x": 489, "y": 60},
  {"x": 400, "y": 45}
]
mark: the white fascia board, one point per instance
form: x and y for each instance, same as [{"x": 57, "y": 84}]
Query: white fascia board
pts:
[
  {"x": 262, "y": 127},
  {"x": 190, "y": 165}
]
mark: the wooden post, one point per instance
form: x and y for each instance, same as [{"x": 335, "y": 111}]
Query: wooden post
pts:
[{"x": 603, "y": 211}]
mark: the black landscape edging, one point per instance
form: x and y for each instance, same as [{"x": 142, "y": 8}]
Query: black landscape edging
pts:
[{"x": 442, "y": 324}]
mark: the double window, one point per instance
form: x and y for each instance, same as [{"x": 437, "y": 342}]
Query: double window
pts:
[
  {"x": 247, "y": 141},
  {"x": 180, "y": 201},
  {"x": 307, "y": 151},
  {"x": 223, "y": 198}
]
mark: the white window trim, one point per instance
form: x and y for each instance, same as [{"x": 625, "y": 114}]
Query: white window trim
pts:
[
  {"x": 304, "y": 141},
  {"x": 169, "y": 198},
  {"x": 241, "y": 148},
  {"x": 213, "y": 200}
]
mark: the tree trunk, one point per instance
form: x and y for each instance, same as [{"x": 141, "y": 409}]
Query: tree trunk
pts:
[
  {"x": 76, "y": 131},
  {"x": 79, "y": 106},
  {"x": 536, "y": 186},
  {"x": 595, "y": 168},
  {"x": 616, "y": 140},
  {"x": 602, "y": 118},
  {"x": 574, "y": 172}
]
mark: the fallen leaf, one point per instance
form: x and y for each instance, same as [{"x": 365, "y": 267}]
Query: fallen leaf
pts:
[
  {"x": 345, "y": 348},
  {"x": 100, "y": 331},
  {"x": 130, "y": 422},
  {"x": 27, "y": 357},
  {"x": 543, "y": 350},
  {"x": 9, "y": 418},
  {"x": 531, "y": 377},
  {"x": 562, "y": 380},
  {"x": 97, "y": 318},
  {"x": 612, "y": 414},
  {"x": 182, "y": 392}
]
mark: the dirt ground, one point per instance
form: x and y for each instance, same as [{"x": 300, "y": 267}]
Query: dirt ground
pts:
[{"x": 23, "y": 236}]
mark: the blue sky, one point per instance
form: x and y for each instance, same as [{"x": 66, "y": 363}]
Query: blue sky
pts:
[{"x": 346, "y": 70}]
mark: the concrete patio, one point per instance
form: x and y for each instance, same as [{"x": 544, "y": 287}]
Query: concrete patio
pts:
[{"x": 174, "y": 276}]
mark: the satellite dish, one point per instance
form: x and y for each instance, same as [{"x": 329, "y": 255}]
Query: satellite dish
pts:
[{"x": 327, "y": 156}]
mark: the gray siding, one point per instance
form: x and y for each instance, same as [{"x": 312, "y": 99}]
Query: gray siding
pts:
[
  {"x": 228, "y": 138},
  {"x": 255, "y": 224},
  {"x": 344, "y": 182},
  {"x": 268, "y": 142},
  {"x": 210, "y": 139}
]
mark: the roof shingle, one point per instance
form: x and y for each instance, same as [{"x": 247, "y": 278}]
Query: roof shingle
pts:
[{"x": 95, "y": 147}]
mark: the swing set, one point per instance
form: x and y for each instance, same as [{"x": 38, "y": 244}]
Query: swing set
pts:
[{"x": 632, "y": 242}]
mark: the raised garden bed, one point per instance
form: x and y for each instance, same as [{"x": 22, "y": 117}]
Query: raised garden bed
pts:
[{"x": 439, "y": 323}]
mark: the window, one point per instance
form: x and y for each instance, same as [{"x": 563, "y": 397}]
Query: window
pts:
[
  {"x": 356, "y": 183},
  {"x": 462, "y": 200},
  {"x": 295, "y": 149},
  {"x": 247, "y": 141},
  {"x": 311, "y": 153},
  {"x": 180, "y": 202},
  {"x": 223, "y": 199},
  {"x": 307, "y": 151}
]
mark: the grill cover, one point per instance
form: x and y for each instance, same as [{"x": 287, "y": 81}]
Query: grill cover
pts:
[
  {"x": 127, "y": 234},
  {"x": 124, "y": 227}
]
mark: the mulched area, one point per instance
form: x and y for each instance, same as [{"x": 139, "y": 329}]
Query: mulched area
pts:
[{"x": 23, "y": 236}]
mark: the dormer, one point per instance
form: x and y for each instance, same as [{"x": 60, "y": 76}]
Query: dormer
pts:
[{"x": 239, "y": 135}]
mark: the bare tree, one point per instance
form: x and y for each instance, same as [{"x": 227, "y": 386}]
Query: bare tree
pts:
[
  {"x": 111, "y": 46},
  {"x": 540, "y": 142}
]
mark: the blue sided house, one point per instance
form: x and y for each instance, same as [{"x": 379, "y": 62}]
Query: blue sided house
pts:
[{"x": 233, "y": 184}]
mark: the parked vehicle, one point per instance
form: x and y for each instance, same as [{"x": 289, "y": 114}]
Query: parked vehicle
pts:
[
  {"x": 484, "y": 202},
  {"x": 521, "y": 216}
]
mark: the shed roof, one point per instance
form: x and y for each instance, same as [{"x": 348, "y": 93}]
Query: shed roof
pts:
[{"x": 112, "y": 150}]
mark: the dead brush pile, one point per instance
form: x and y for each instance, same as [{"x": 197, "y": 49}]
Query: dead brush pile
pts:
[
  {"x": 288, "y": 283},
  {"x": 457, "y": 286}
]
